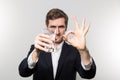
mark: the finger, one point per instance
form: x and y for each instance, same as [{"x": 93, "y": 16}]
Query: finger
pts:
[
  {"x": 69, "y": 32},
  {"x": 41, "y": 48},
  {"x": 76, "y": 23},
  {"x": 66, "y": 38},
  {"x": 40, "y": 36},
  {"x": 46, "y": 40},
  {"x": 83, "y": 24},
  {"x": 43, "y": 44},
  {"x": 86, "y": 29},
  {"x": 44, "y": 36}
]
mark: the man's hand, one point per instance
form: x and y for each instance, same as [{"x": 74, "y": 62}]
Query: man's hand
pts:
[
  {"x": 42, "y": 41},
  {"x": 79, "y": 40},
  {"x": 79, "y": 35}
]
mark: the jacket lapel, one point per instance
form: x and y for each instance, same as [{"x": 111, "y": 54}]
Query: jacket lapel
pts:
[
  {"x": 61, "y": 59},
  {"x": 48, "y": 60}
]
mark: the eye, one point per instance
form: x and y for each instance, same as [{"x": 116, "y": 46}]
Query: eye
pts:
[
  {"x": 61, "y": 26},
  {"x": 52, "y": 27}
]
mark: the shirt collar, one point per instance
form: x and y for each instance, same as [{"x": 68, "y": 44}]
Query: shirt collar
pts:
[{"x": 59, "y": 47}]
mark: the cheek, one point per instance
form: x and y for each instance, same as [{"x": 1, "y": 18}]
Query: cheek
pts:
[{"x": 63, "y": 31}]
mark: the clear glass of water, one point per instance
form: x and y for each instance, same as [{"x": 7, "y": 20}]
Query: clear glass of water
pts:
[{"x": 52, "y": 36}]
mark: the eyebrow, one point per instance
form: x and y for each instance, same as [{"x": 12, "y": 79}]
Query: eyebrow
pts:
[{"x": 61, "y": 26}]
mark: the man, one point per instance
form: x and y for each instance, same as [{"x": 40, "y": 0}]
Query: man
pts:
[{"x": 67, "y": 59}]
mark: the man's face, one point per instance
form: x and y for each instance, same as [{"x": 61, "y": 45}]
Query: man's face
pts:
[{"x": 59, "y": 26}]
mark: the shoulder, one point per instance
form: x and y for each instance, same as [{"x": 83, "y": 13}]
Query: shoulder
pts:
[{"x": 70, "y": 47}]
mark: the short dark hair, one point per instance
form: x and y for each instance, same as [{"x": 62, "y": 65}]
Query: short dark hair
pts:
[{"x": 56, "y": 13}]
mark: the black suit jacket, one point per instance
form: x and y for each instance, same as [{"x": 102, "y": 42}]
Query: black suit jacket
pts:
[{"x": 68, "y": 64}]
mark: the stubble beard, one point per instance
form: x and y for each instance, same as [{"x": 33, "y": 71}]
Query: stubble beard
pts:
[{"x": 58, "y": 42}]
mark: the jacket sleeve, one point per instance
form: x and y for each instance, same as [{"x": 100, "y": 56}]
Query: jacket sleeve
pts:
[
  {"x": 24, "y": 71},
  {"x": 87, "y": 74}
]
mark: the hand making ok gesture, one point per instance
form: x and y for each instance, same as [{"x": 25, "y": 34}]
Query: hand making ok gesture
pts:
[{"x": 79, "y": 35}]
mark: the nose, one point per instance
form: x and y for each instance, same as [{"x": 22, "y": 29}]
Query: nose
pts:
[{"x": 57, "y": 31}]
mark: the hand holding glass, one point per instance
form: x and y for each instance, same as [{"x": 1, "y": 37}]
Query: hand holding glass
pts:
[{"x": 52, "y": 37}]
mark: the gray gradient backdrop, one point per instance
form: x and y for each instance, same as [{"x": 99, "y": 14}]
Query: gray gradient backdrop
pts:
[{"x": 21, "y": 20}]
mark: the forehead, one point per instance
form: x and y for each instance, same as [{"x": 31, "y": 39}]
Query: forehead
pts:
[{"x": 59, "y": 21}]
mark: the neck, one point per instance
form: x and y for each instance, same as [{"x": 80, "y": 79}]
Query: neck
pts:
[{"x": 57, "y": 44}]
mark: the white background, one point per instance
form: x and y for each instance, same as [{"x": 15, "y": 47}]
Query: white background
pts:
[{"x": 21, "y": 20}]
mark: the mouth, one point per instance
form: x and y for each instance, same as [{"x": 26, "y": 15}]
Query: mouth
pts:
[{"x": 57, "y": 37}]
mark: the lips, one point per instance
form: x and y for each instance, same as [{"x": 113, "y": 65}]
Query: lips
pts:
[{"x": 57, "y": 37}]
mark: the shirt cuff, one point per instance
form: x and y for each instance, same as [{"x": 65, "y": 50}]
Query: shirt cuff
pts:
[
  {"x": 87, "y": 67},
  {"x": 31, "y": 64}
]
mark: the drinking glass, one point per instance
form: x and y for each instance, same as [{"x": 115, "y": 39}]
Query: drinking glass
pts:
[{"x": 52, "y": 35}]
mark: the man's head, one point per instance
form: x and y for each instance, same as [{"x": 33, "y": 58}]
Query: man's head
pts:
[
  {"x": 57, "y": 20},
  {"x": 55, "y": 14}
]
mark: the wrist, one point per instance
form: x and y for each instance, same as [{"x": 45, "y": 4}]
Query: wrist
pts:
[
  {"x": 82, "y": 49},
  {"x": 36, "y": 50},
  {"x": 35, "y": 55}
]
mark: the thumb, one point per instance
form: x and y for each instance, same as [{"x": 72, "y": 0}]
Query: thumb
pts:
[{"x": 65, "y": 37}]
